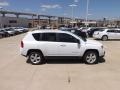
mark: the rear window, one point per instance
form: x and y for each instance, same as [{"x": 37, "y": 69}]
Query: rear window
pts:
[
  {"x": 37, "y": 36},
  {"x": 49, "y": 37},
  {"x": 44, "y": 36},
  {"x": 118, "y": 31},
  {"x": 111, "y": 31}
]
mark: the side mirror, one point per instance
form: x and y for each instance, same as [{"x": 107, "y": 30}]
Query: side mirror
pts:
[{"x": 78, "y": 41}]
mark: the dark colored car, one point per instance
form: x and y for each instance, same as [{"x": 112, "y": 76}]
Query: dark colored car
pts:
[{"x": 76, "y": 31}]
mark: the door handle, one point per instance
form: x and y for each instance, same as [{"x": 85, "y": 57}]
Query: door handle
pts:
[{"x": 63, "y": 45}]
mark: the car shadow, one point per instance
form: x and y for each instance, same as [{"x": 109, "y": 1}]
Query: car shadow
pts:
[
  {"x": 70, "y": 61},
  {"x": 64, "y": 61},
  {"x": 102, "y": 60},
  {"x": 108, "y": 40},
  {"x": 67, "y": 61}
]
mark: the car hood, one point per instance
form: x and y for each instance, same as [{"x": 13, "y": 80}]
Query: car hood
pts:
[{"x": 93, "y": 42}]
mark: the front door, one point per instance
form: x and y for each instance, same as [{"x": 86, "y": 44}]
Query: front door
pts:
[{"x": 68, "y": 45}]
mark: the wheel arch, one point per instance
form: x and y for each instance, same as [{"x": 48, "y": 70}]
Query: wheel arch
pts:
[
  {"x": 94, "y": 50},
  {"x": 34, "y": 50},
  {"x": 104, "y": 35}
]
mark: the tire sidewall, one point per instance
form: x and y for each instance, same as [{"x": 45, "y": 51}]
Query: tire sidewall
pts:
[
  {"x": 104, "y": 37},
  {"x": 87, "y": 53},
  {"x": 41, "y": 56}
]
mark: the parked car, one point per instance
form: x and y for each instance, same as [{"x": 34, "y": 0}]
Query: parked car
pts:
[
  {"x": 85, "y": 29},
  {"x": 3, "y": 33},
  {"x": 42, "y": 44},
  {"x": 92, "y": 30},
  {"x": 26, "y": 29},
  {"x": 20, "y": 29},
  {"x": 76, "y": 31},
  {"x": 10, "y": 31},
  {"x": 16, "y": 31},
  {"x": 106, "y": 34}
]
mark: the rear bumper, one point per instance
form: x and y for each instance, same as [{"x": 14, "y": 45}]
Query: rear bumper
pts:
[{"x": 23, "y": 52}]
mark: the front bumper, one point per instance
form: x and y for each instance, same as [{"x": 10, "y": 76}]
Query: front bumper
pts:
[
  {"x": 102, "y": 55},
  {"x": 97, "y": 36}
]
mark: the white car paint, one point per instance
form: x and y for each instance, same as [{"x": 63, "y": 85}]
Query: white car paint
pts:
[
  {"x": 60, "y": 48},
  {"x": 110, "y": 35}
]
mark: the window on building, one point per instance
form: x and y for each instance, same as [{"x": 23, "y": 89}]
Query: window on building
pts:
[{"x": 12, "y": 21}]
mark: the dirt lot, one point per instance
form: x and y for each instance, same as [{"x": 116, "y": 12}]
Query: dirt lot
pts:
[{"x": 16, "y": 74}]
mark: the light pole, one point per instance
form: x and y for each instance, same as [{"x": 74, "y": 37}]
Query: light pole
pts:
[
  {"x": 87, "y": 8},
  {"x": 73, "y": 5},
  {"x": 1, "y": 18},
  {"x": 65, "y": 21}
]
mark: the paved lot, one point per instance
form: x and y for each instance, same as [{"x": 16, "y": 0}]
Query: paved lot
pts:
[{"x": 16, "y": 74}]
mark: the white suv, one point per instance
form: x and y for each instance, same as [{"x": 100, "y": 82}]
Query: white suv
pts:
[
  {"x": 106, "y": 34},
  {"x": 42, "y": 44}
]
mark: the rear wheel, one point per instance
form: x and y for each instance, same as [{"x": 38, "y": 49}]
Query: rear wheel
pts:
[
  {"x": 35, "y": 58},
  {"x": 105, "y": 38},
  {"x": 91, "y": 57}
]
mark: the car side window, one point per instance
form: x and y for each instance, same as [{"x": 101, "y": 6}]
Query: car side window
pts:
[
  {"x": 118, "y": 31},
  {"x": 49, "y": 37},
  {"x": 37, "y": 36},
  {"x": 62, "y": 37},
  {"x": 111, "y": 31}
]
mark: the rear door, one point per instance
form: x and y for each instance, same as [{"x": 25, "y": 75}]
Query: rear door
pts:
[
  {"x": 50, "y": 44},
  {"x": 46, "y": 42},
  {"x": 111, "y": 34}
]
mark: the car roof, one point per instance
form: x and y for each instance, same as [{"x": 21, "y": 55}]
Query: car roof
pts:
[
  {"x": 110, "y": 29},
  {"x": 48, "y": 30}
]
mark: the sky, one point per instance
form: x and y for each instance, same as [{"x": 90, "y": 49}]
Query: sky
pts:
[{"x": 98, "y": 9}]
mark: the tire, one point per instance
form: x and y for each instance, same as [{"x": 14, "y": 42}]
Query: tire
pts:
[
  {"x": 0, "y": 36},
  {"x": 105, "y": 38},
  {"x": 35, "y": 58},
  {"x": 90, "y": 57}
]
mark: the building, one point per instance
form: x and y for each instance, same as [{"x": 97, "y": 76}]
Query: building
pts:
[
  {"x": 13, "y": 19},
  {"x": 13, "y": 22}
]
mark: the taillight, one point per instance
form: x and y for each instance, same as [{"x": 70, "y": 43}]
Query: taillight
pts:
[{"x": 22, "y": 44}]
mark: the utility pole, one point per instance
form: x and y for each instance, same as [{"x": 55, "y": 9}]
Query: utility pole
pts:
[
  {"x": 87, "y": 9},
  {"x": 73, "y": 5}
]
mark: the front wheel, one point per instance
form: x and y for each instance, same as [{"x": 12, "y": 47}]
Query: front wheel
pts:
[
  {"x": 35, "y": 58},
  {"x": 105, "y": 38},
  {"x": 91, "y": 57}
]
